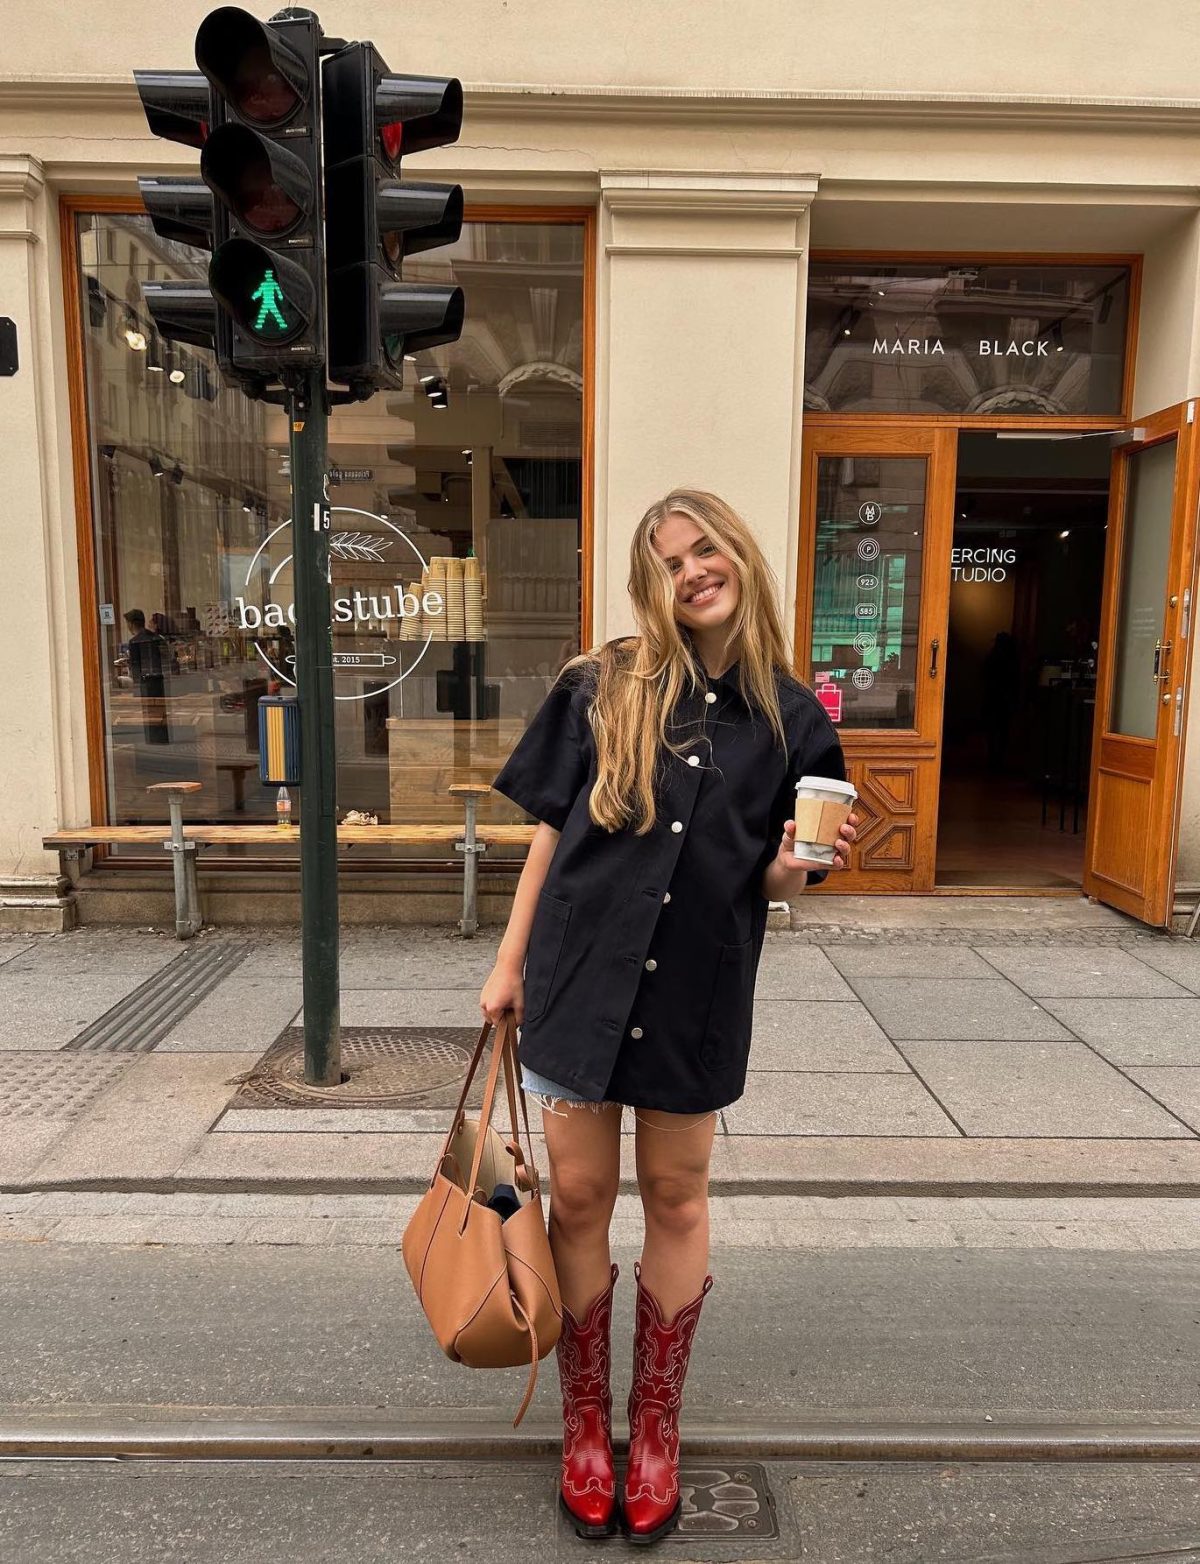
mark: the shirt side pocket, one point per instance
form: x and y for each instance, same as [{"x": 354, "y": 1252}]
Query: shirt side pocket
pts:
[{"x": 546, "y": 940}]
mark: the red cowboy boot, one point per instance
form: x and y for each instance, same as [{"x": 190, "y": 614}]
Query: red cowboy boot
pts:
[
  {"x": 660, "y": 1364},
  {"x": 588, "y": 1492}
]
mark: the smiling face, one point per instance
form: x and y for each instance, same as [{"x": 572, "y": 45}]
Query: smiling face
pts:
[{"x": 706, "y": 583}]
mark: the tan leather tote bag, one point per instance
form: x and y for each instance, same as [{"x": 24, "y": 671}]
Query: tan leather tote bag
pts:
[{"x": 487, "y": 1286}]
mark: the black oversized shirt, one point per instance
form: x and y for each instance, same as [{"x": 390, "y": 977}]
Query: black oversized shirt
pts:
[{"x": 640, "y": 971}]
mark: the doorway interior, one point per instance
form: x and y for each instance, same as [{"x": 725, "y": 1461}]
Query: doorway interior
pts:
[{"x": 1027, "y": 574}]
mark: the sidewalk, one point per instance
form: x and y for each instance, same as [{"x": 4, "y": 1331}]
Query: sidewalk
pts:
[{"x": 909, "y": 1046}]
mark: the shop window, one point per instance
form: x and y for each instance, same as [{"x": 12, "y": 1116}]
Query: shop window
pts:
[{"x": 456, "y": 541}]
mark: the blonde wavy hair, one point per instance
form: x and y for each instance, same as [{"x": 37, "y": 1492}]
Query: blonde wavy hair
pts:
[{"x": 636, "y": 681}]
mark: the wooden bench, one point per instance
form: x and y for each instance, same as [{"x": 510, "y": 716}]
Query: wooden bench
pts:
[{"x": 184, "y": 841}]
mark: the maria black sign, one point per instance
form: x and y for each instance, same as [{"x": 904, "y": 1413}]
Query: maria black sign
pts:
[{"x": 1046, "y": 339}]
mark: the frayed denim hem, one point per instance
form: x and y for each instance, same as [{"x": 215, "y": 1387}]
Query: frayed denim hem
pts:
[{"x": 551, "y": 1097}]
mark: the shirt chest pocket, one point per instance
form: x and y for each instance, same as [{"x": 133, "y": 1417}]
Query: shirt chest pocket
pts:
[
  {"x": 545, "y": 947},
  {"x": 727, "y": 1029}
]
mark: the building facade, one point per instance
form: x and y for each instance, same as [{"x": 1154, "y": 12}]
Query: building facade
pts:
[{"x": 925, "y": 318}]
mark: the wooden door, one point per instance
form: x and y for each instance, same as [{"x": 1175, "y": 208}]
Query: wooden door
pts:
[
  {"x": 1141, "y": 686},
  {"x": 873, "y": 596}
]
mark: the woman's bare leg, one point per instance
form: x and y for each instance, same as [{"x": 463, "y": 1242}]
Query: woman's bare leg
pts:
[
  {"x": 583, "y": 1143},
  {"x": 673, "y": 1153}
]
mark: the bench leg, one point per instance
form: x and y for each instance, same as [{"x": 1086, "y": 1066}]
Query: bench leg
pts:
[
  {"x": 470, "y": 850},
  {"x": 187, "y": 887},
  {"x": 73, "y": 861}
]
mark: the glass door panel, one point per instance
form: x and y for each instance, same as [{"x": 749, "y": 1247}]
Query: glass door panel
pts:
[
  {"x": 867, "y": 586},
  {"x": 1145, "y": 560}
]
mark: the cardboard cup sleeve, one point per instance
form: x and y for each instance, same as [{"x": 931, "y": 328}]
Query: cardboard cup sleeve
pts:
[{"x": 820, "y": 819}]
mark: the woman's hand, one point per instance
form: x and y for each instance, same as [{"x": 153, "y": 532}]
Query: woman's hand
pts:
[
  {"x": 841, "y": 848},
  {"x": 504, "y": 990}
]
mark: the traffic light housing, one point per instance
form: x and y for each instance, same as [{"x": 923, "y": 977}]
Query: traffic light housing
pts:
[
  {"x": 374, "y": 219},
  {"x": 178, "y": 107},
  {"x": 261, "y": 161}
]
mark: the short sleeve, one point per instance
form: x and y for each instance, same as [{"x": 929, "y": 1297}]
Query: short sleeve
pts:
[
  {"x": 550, "y": 761},
  {"x": 814, "y": 750}
]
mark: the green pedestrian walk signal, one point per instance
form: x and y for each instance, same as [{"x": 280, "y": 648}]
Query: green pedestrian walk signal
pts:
[{"x": 268, "y": 296}]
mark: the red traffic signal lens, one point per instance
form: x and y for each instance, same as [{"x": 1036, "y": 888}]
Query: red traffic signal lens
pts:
[
  {"x": 267, "y": 188},
  {"x": 391, "y": 138},
  {"x": 263, "y": 205},
  {"x": 260, "y": 92}
]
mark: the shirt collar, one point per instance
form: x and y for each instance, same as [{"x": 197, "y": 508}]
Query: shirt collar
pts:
[{"x": 726, "y": 681}]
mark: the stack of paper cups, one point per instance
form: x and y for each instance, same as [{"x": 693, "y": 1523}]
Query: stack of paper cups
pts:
[
  {"x": 454, "y": 600},
  {"x": 410, "y": 628},
  {"x": 435, "y": 621},
  {"x": 472, "y": 599}
]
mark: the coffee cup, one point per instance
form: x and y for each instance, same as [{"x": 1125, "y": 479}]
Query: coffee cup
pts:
[{"x": 823, "y": 806}]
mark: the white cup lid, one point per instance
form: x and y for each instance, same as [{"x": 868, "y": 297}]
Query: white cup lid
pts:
[{"x": 829, "y": 785}]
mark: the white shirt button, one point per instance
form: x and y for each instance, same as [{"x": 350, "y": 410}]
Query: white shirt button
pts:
[
  {"x": 677, "y": 826},
  {"x": 711, "y": 698},
  {"x": 666, "y": 898},
  {"x": 693, "y": 760},
  {"x": 652, "y": 965},
  {"x": 635, "y": 1031}
]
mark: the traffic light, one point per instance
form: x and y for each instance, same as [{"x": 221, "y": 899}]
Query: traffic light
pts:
[
  {"x": 261, "y": 160},
  {"x": 178, "y": 107},
  {"x": 373, "y": 219}
]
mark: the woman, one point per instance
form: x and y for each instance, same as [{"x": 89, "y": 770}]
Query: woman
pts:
[{"x": 662, "y": 769}]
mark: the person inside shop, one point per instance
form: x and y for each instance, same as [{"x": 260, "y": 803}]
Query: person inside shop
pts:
[
  {"x": 148, "y": 654},
  {"x": 662, "y": 769}
]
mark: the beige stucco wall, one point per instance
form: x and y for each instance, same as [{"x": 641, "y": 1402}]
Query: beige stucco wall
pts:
[
  {"x": 911, "y": 46},
  {"x": 718, "y": 148}
]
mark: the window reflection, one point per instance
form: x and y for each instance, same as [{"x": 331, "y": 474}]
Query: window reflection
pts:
[
  {"x": 457, "y": 535},
  {"x": 867, "y": 588}
]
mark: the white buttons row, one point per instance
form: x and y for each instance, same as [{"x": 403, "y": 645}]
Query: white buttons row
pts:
[{"x": 711, "y": 698}]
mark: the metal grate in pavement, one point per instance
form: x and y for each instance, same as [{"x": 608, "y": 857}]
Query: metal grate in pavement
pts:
[
  {"x": 721, "y": 1504},
  {"x": 381, "y": 1066},
  {"x": 140, "y": 1021},
  {"x": 53, "y": 1086}
]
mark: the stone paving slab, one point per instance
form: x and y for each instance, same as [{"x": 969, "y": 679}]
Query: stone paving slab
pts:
[
  {"x": 1176, "y": 1089},
  {"x": 10, "y": 949},
  {"x": 242, "y": 1013},
  {"x": 1096, "y": 973},
  {"x": 820, "y": 1035},
  {"x": 1178, "y": 959},
  {"x": 778, "y": 1221},
  {"x": 783, "y": 1103},
  {"x": 1040, "y": 1089},
  {"x": 111, "y": 952},
  {"x": 1135, "y": 1031},
  {"x": 411, "y": 1007},
  {"x": 38, "y": 1014},
  {"x": 965, "y": 1009},
  {"x": 148, "y": 1122},
  {"x": 798, "y": 973},
  {"x": 900, "y": 961}
]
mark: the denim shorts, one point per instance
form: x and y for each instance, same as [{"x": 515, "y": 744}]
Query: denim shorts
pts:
[{"x": 548, "y": 1093}]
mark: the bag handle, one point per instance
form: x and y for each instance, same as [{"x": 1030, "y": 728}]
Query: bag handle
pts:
[
  {"x": 507, "y": 1035},
  {"x": 501, "y": 1054}
]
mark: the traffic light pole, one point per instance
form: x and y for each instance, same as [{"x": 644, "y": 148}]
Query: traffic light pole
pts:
[{"x": 308, "y": 417}]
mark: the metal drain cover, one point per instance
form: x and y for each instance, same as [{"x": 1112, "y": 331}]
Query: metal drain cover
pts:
[
  {"x": 724, "y": 1504},
  {"x": 384, "y": 1065}
]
